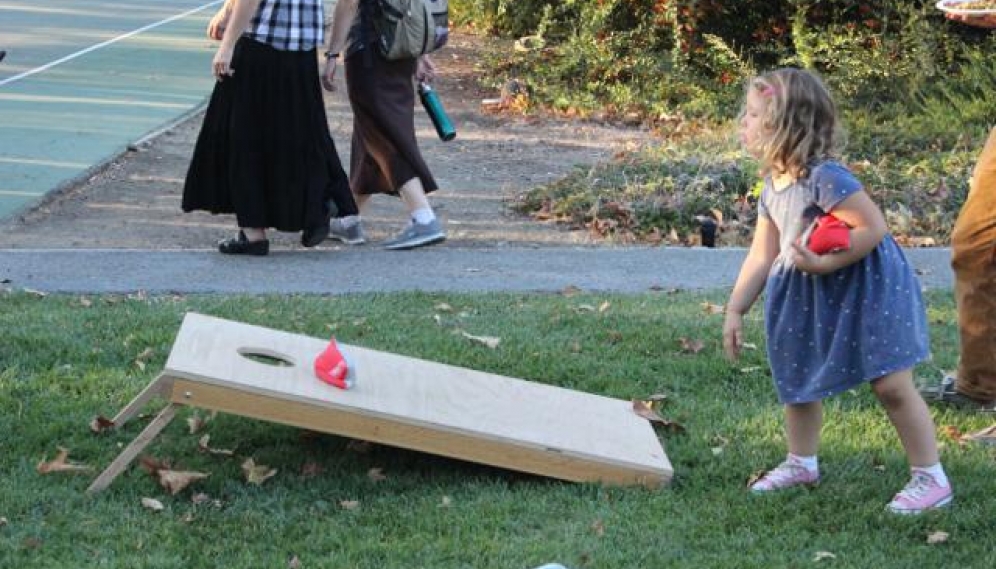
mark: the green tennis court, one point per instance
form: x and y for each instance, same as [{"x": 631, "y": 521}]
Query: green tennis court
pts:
[{"x": 82, "y": 80}]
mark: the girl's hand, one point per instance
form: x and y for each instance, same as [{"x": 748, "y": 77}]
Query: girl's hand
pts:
[
  {"x": 216, "y": 27},
  {"x": 733, "y": 338},
  {"x": 221, "y": 65},
  {"x": 328, "y": 73},
  {"x": 810, "y": 262},
  {"x": 425, "y": 70}
]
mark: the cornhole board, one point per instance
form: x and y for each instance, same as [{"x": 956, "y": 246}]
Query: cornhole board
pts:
[{"x": 399, "y": 401}]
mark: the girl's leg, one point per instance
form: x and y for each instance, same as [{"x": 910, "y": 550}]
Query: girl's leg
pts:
[
  {"x": 803, "y": 422},
  {"x": 909, "y": 415},
  {"x": 802, "y": 427},
  {"x": 928, "y": 487}
]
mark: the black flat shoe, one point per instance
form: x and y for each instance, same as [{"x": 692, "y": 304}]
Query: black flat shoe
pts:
[
  {"x": 242, "y": 246},
  {"x": 314, "y": 235}
]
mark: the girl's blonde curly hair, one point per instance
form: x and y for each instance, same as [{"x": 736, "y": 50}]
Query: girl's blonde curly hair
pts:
[{"x": 801, "y": 118}]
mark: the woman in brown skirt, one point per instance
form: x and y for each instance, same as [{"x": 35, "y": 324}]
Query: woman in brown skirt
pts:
[
  {"x": 385, "y": 158},
  {"x": 264, "y": 151}
]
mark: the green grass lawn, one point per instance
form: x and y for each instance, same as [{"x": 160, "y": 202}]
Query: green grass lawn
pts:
[{"x": 67, "y": 359}]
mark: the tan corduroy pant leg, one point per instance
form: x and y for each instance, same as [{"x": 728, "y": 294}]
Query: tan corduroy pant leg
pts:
[{"x": 973, "y": 258}]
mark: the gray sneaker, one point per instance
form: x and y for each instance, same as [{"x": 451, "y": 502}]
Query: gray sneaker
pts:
[
  {"x": 352, "y": 235},
  {"x": 944, "y": 392},
  {"x": 417, "y": 235}
]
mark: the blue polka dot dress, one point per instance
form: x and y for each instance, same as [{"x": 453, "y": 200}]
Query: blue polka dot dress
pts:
[{"x": 830, "y": 333}]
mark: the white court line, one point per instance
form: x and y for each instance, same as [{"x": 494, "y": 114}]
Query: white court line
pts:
[{"x": 106, "y": 43}]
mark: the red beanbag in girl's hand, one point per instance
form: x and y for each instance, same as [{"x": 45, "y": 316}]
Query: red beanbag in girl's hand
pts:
[{"x": 827, "y": 234}]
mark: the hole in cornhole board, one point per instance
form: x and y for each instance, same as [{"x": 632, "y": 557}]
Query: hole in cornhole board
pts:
[{"x": 266, "y": 357}]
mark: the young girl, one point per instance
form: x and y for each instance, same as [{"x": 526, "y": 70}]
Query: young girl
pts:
[{"x": 837, "y": 320}]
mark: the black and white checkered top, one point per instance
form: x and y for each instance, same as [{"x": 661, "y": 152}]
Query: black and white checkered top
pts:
[{"x": 288, "y": 25}]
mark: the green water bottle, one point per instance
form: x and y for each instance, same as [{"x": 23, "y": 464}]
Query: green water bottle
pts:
[{"x": 434, "y": 108}]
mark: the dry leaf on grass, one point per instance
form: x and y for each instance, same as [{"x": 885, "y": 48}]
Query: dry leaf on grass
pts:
[
  {"x": 710, "y": 308},
  {"x": 349, "y": 504},
  {"x": 821, "y": 555},
  {"x": 598, "y": 527},
  {"x": 645, "y": 410},
  {"x": 153, "y": 504},
  {"x": 937, "y": 537},
  {"x": 100, "y": 423},
  {"x": 376, "y": 474},
  {"x": 61, "y": 464},
  {"x": 143, "y": 358},
  {"x": 985, "y": 436},
  {"x": 203, "y": 446},
  {"x": 174, "y": 481},
  {"x": 489, "y": 341},
  {"x": 257, "y": 473},
  {"x": 690, "y": 346},
  {"x": 195, "y": 422}
]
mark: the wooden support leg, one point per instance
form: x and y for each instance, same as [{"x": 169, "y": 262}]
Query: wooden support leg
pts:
[
  {"x": 158, "y": 386},
  {"x": 131, "y": 451}
]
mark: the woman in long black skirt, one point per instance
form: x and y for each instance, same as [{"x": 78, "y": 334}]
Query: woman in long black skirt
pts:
[{"x": 264, "y": 151}]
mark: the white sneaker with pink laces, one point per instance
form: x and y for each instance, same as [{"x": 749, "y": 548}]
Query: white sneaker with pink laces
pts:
[
  {"x": 786, "y": 475},
  {"x": 922, "y": 493}
]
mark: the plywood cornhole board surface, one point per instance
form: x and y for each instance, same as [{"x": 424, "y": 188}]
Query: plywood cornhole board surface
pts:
[{"x": 400, "y": 401}]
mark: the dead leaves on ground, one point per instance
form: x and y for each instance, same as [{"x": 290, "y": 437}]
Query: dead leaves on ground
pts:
[
  {"x": 985, "y": 436},
  {"x": 646, "y": 410},
  {"x": 61, "y": 463},
  {"x": 257, "y": 473},
  {"x": 174, "y": 481}
]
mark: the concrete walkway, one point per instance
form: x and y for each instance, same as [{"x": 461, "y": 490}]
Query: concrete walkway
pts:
[{"x": 367, "y": 268}]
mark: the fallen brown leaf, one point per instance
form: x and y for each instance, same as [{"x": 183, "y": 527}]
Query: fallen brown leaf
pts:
[
  {"x": 100, "y": 423},
  {"x": 376, "y": 474},
  {"x": 257, "y": 473},
  {"x": 984, "y": 436},
  {"x": 489, "y": 341},
  {"x": 203, "y": 446},
  {"x": 710, "y": 308},
  {"x": 645, "y": 410},
  {"x": 153, "y": 465},
  {"x": 937, "y": 537},
  {"x": 153, "y": 504},
  {"x": 195, "y": 422},
  {"x": 598, "y": 527},
  {"x": 174, "y": 481},
  {"x": 953, "y": 433},
  {"x": 349, "y": 504},
  {"x": 821, "y": 555},
  {"x": 690, "y": 346},
  {"x": 61, "y": 464}
]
